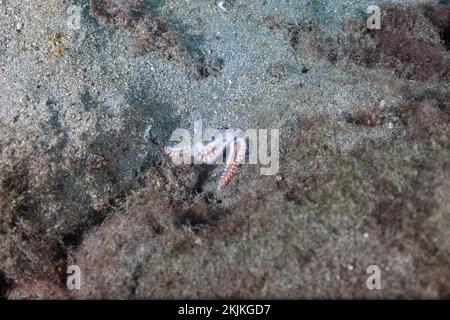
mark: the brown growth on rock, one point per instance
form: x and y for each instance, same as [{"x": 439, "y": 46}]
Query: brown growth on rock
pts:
[
  {"x": 152, "y": 32},
  {"x": 426, "y": 116},
  {"x": 409, "y": 44},
  {"x": 120, "y": 13},
  {"x": 413, "y": 42},
  {"x": 439, "y": 15},
  {"x": 371, "y": 117}
]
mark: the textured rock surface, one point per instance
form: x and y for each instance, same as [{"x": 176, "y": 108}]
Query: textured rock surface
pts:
[{"x": 364, "y": 178}]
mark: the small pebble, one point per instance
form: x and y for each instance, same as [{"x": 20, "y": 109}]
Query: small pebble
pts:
[{"x": 221, "y": 5}]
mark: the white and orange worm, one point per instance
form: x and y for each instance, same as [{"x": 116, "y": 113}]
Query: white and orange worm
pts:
[
  {"x": 234, "y": 146},
  {"x": 235, "y": 156}
]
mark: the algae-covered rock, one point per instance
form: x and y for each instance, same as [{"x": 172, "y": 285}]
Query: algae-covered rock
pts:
[{"x": 93, "y": 90}]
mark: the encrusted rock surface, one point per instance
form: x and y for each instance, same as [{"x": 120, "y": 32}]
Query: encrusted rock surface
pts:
[{"x": 364, "y": 171}]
